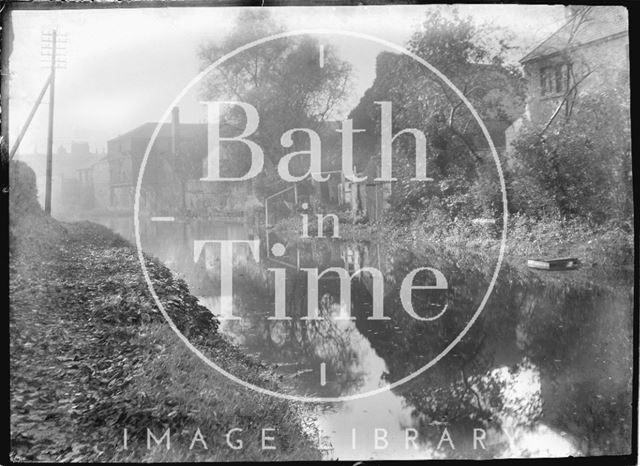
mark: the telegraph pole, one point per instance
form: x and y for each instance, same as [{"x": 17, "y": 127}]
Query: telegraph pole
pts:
[
  {"x": 52, "y": 86},
  {"x": 55, "y": 62},
  {"x": 16, "y": 144}
]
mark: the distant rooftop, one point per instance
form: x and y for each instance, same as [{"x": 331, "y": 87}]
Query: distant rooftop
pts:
[
  {"x": 599, "y": 23},
  {"x": 146, "y": 130}
]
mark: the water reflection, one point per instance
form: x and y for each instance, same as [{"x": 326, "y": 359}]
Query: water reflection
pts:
[{"x": 545, "y": 371}]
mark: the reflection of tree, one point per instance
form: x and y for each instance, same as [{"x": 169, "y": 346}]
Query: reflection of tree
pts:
[
  {"x": 601, "y": 421},
  {"x": 336, "y": 343},
  {"x": 406, "y": 343},
  {"x": 583, "y": 347},
  {"x": 559, "y": 326},
  {"x": 577, "y": 336}
]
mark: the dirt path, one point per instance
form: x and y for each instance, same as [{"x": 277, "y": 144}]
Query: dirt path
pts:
[
  {"x": 85, "y": 339},
  {"x": 65, "y": 364}
]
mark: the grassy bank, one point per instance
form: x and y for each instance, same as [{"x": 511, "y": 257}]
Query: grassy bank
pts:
[
  {"x": 91, "y": 356},
  {"x": 604, "y": 249}
]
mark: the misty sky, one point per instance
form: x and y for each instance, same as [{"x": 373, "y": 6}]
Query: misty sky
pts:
[{"x": 124, "y": 67}]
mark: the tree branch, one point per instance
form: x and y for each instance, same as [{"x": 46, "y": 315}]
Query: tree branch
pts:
[{"x": 564, "y": 99}]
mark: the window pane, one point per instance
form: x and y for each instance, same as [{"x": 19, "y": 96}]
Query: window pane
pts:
[{"x": 559, "y": 78}]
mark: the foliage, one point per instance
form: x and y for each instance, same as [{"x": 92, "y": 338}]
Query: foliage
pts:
[
  {"x": 472, "y": 58},
  {"x": 579, "y": 167},
  {"x": 281, "y": 78},
  {"x": 24, "y": 193},
  {"x": 27, "y": 223}
]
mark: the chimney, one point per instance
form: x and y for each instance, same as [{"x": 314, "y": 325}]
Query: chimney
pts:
[{"x": 175, "y": 130}]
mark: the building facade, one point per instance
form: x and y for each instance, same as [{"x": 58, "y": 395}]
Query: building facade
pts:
[
  {"x": 175, "y": 158},
  {"x": 589, "y": 53}
]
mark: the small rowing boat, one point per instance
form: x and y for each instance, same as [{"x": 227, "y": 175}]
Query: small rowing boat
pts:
[{"x": 562, "y": 263}]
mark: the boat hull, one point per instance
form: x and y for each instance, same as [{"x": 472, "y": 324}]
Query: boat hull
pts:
[{"x": 564, "y": 263}]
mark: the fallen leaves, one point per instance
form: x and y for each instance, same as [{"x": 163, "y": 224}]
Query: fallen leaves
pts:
[{"x": 77, "y": 301}]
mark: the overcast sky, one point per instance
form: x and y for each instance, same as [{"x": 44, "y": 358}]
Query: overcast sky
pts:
[{"x": 124, "y": 67}]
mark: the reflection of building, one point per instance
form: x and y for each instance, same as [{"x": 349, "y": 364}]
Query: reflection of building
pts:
[
  {"x": 242, "y": 255},
  {"x": 590, "y": 52}
]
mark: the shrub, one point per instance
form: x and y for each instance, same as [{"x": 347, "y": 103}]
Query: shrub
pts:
[
  {"x": 23, "y": 195},
  {"x": 580, "y": 166}
]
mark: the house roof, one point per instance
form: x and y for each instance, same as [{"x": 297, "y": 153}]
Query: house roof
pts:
[
  {"x": 146, "y": 130},
  {"x": 600, "y": 22}
]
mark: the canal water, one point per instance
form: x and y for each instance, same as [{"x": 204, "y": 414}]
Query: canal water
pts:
[{"x": 544, "y": 371}]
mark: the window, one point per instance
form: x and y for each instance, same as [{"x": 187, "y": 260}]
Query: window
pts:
[
  {"x": 544, "y": 76},
  {"x": 555, "y": 79},
  {"x": 558, "y": 76}
]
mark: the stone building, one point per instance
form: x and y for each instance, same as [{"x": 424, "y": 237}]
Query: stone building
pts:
[
  {"x": 93, "y": 180},
  {"x": 589, "y": 53},
  {"x": 125, "y": 154},
  {"x": 171, "y": 182}
]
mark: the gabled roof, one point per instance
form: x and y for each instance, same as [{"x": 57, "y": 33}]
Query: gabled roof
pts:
[{"x": 599, "y": 23}]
